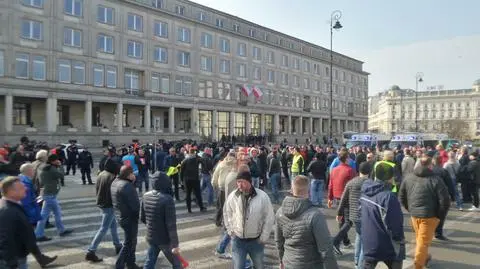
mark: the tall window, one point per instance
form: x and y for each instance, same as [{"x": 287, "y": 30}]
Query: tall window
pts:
[
  {"x": 241, "y": 70},
  {"x": 306, "y": 66},
  {"x": 98, "y": 75},
  {"x": 111, "y": 77},
  {"x": 223, "y": 122},
  {"x": 134, "y": 49},
  {"x": 180, "y": 10},
  {"x": 183, "y": 85},
  {"x": 63, "y": 115},
  {"x": 78, "y": 72},
  {"x": 257, "y": 73},
  {"x": 296, "y": 63},
  {"x": 251, "y": 32},
  {"x": 160, "y": 54},
  {"x": 33, "y": 3},
  {"x": 160, "y": 83},
  {"x": 105, "y": 43},
  {"x": 21, "y": 66},
  {"x": 183, "y": 35},
  {"x": 183, "y": 58},
  {"x": 38, "y": 68},
  {"x": 255, "y": 124},
  {"x": 32, "y": 30},
  {"x": 132, "y": 79},
  {"x": 242, "y": 49},
  {"x": 135, "y": 22},
  {"x": 219, "y": 23},
  {"x": 224, "y": 66},
  {"x": 257, "y": 53},
  {"x": 72, "y": 37},
  {"x": 270, "y": 57},
  {"x": 206, "y": 41},
  {"x": 240, "y": 123},
  {"x": 105, "y": 15},
  {"x": 271, "y": 76},
  {"x": 205, "y": 123},
  {"x": 269, "y": 124},
  {"x": 224, "y": 45},
  {"x": 157, "y": 3},
  {"x": 205, "y": 89},
  {"x": 73, "y": 7},
  {"x": 64, "y": 71},
  {"x": 206, "y": 63},
  {"x": 285, "y": 60},
  {"x": 21, "y": 114},
  {"x": 2, "y": 63},
  {"x": 160, "y": 29},
  {"x": 284, "y": 78}
]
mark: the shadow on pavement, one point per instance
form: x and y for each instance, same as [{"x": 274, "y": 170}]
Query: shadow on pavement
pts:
[{"x": 451, "y": 264}]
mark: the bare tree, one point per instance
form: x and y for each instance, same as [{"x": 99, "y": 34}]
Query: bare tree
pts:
[{"x": 455, "y": 128}]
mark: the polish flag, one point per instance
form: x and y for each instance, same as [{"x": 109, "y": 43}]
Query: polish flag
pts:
[
  {"x": 257, "y": 92},
  {"x": 246, "y": 90}
]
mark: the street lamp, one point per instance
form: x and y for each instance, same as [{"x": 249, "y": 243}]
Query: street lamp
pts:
[
  {"x": 335, "y": 17},
  {"x": 418, "y": 79}
]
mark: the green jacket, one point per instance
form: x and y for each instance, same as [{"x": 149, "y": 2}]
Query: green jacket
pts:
[{"x": 50, "y": 178}]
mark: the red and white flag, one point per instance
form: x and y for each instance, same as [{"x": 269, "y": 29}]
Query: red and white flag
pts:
[
  {"x": 257, "y": 92},
  {"x": 246, "y": 90}
]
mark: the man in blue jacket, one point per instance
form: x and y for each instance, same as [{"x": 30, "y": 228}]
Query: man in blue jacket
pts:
[{"x": 381, "y": 221}]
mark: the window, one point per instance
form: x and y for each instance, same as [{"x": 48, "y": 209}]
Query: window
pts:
[
  {"x": 105, "y": 15},
  {"x": 285, "y": 60},
  {"x": 257, "y": 73},
  {"x": 64, "y": 71},
  {"x": 183, "y": 35},
  {"x": 183, "y": 58},
  {"x": 98, "y": 75},
  {"x": 33, "y": 3},
  {"x": 327, "y": 71},
  {"x": 316, "y": 69},
  {"x": 242, "y": 49},
  {"x": 160, "y": 83},
  {"x": 296, "y": 63},
  {"x": 251, "y": 32},
  {"x": 225, "y": 45},
  {"x": 242, "y": 70},
  {"x": 236, "y": 28},
  {"x": 160, "y": 29},
  {"x": 296, "y": 81},
  {"x": 32, "y": 30},
  {"x": 180, "y": 10},
  {"x": 307, "y": 66},
  {"x": 284, "y": 78},
  {"x": 38, "y": 68},
  {"x": 105, "y": 43},
  {"x": 2, "y": 63},
  {"x": 135, "y": 22},
  {"x": 219, "y": 23},
  {"x": 161, "y": 55},
  {"x": 78, "y": 72},
  {"x": 270, "y": 57},
  {"x": 206, "y": 41},
  {"x": 306, "y": 83},
  {"x": 202, "y": 16},
  {"x": 335, "y": 73},
  {"x": 271, "y": 76},
  {"x": 21, "y": 66},
  {"x": 206, "y": 63},
  {"x": 73, "y": 7},
  {"x": 225, "y": 66},
  {"x": 257, "y": 53},
  {"x": 72, "y": 37},
  {"x": 183, "y": 85},
  {"x": 132, "y": 79},
  {"x": 134, "y": 49},
  {"x": 111, "y": 77}
]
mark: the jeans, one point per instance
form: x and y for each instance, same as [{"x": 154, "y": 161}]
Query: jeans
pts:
[
  {"x": 22, "y": 263},
  {"x": 152, "y": 256},
  {"x": 127, "y": 254},
  {"x": 207, "y": 184},
  {"x": 256, "y": 182},
  {"x": 224, "y": 241},
  {"x": 358, "y": 258},
  {"x": 242, "y": 247},
  {"x": 50, "y": 204},
  {"x": 142, "y": 178},
  {"x": 342, "y": 234},
  {"x": 316, "y": 191},
  {"x": 274, "y": 179},
  {"x": 108, "y": 222},
  {"x": 458, "y": 197}
]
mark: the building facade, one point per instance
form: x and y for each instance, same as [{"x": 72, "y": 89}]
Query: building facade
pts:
[
  {"x": 438, "y": 111},
  {"x": 170, "y": 69}
]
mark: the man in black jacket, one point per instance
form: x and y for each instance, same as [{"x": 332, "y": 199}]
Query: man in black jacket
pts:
[
  {"x": 443, "y": 175},
  {"x": 318, "y": 168},
  {"x": 158, "y": 213},
  {"x": 85, "y": 163},
  {"x": 104, "y": 202},
  {"x": 473, "y": 169},
  {"x": 72, "y": 154},
  {"x": 127, "y": 208},
  {"x": 17, "y": 239},
  {"x": 207, "y": 170},
  {"x": 190, "y": 176}
]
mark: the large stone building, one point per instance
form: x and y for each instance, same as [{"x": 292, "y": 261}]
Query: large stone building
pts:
[
  {"x": 170, "y": 69},
  {"x": 393, "y": 111}
]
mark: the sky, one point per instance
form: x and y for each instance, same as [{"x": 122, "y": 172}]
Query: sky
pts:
[{"x": 395, "y": 39}]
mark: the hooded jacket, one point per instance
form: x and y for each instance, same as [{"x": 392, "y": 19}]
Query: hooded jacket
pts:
[
  {"x": 29, "y": 202},
  {"x": 381, "y": 223},
  {"x": 158, "y": 212},
  {"x": 125, "y": 201},
  {"x": 50, "y": 178},
  {"x": 424, "y": 195},
  {"x": 302, "y": 236}
]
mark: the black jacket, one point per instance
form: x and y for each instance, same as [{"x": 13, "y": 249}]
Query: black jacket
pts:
[
  {"x": 85, "y": 160},
  {"x": 189, "y": 169},
  {"x": 17, "y": 238},
  {"x": 104, "y": 184},
  {"x": 445, "y": 177},
  {"x": 72, "y": 154},
  {"x": 125, "y": 201},
  {"x": 473, "y": 169},
  {"x": 207, "y": 164},
  {"x": 318, "y": 168},
  {"x": 158, "y": 212}
]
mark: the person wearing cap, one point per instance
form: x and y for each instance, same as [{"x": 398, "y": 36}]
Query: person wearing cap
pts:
[
  {"x": 426, "y": 198},
  {"x": 349, "y": 207},
  {"x": 381, "y": 221},
  {"x": 249, "y": 218},
  {"x": 50, "y": 178}
]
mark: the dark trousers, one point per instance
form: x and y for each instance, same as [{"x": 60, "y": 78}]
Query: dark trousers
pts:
[
  {"x": 86, "y": 172},
  {"x": 342, "y": 234},
  {"x": 175, "y": 182},
  {"x": 72, "y": 166},
  {"x": 439, "y": 229},
  {"x": 474, "y": 189},
  {"x": 467, "y": 192},
  {"x": 193, "y": 186},
  {"x": 127, "y": 253},
  {"x": 390, "y": 264},
  {"x": 219, "y": 213},
  {"x": 285, "y": 171}
]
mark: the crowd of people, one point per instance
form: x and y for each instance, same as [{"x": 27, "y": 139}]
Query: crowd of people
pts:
[{"x": 367, "y": 188}]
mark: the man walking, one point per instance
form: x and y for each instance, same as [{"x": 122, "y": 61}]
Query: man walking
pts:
[
  {"x": 190, "y": 176},
  {"x": 85, "y": 163},
  {"x": 207, "y": 168},
  {"x": 158, "y": 213},
  {"x": 302, "y": 236},
  {"x": 127, "y": 208},
  {"x": 318, "y": 169}
]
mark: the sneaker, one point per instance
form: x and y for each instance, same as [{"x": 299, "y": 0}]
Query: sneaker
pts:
[
  {"x": 460, "y": 208},
  {"x": 441, "y": 237},
  {"x": 337, "y": 250},
  {"x": 66, "y": 232},
  {"x": 118, "y": 249},
  {"x": 347, "y": 245},
  {"x": 473, "y": 208},
  {"x": 91, "y": 257},
  {"x": 203, "y": 209},
  {"x": 43, "y": 239},
  {"x": 134, "y": 266},
  {"x": 224, "y": 255},
  {"x": 46, "y": 260}
]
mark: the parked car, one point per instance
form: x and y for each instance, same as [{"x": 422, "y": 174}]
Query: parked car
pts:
[{"x": 468, "y": 144}]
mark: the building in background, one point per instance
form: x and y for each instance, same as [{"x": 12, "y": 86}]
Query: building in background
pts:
[
  {"x": 455, "y": 112},
  {"x": 166, "y": 69}
]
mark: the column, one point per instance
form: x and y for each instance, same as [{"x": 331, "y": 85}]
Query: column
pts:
[
  {"x": 320, "y": 126},
  {"x": 338, "y": 126},
  {"x": 88, "y": 116},
  {"x": 171, "y": 120},
  {"x": 194, "y": 121},
  {"x": 120, "y": 117},
  {"x": 346, "y": 126},
  {"x": 51, "y": 114},
  {"x": 215, "y": 125},
  {"x": 248, "y": 123},
  {"x": 262, "y": 124},
  {"x": 289, "y": 131},
  {"x": 8, "y": 113},
  {"x": 300, "y": 125},
  {"x": 310, "y": 126},
  {"x": 147, "y": 114},
  {"x": 232, "y": 122},
  {"x": 276, "y": 124}
]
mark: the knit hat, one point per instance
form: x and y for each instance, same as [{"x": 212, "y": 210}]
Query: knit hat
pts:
[
  {"x": 245, "y": 176},
  {"x": 383, "y": 172}
]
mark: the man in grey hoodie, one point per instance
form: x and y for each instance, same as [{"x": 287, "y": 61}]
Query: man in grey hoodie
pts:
[{"x": 302, "y": 236}]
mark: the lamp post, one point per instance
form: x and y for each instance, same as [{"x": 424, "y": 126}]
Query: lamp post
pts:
[
  {"x": 336, "y": 15},
  {"x": 418, "y": 78}
]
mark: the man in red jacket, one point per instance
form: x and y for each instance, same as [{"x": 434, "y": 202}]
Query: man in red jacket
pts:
[{"x": 339, "y": 177}]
